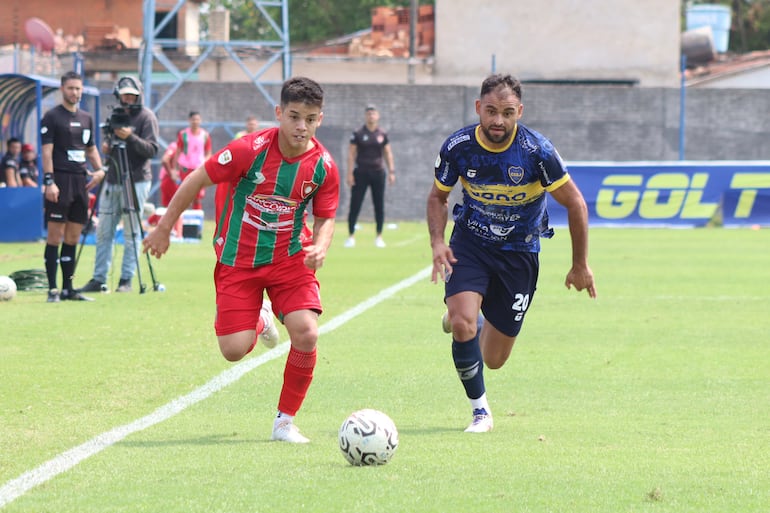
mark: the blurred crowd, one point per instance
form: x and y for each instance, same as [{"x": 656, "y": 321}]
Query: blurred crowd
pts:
[{"x": 19, "y": 167}]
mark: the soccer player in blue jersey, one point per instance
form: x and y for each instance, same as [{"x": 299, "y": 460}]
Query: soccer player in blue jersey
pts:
[{"x": 491, "y": 263}]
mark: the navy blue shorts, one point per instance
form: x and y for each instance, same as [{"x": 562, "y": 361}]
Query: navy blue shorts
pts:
[{"x": 506, "y": 279}]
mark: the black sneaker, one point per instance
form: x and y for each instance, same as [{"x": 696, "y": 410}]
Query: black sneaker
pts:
[
  {"x": 94, "y": 286},
  {"x": 53, "y": 296},
  {"x": 124, "y": 286},
  {"x": 74, "y": 295}
]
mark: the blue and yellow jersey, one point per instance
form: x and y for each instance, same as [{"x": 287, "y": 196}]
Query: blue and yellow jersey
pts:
[{"x": 504, "y": 201}]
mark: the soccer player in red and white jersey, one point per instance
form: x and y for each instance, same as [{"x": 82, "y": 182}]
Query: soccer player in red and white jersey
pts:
[{"x": 262, "y": 242}]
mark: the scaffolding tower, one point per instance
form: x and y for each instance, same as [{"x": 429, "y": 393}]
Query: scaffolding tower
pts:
[{"x": 274, "y": 12}]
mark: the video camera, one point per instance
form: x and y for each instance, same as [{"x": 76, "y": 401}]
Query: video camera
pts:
[{"x": 119, "y": 118}]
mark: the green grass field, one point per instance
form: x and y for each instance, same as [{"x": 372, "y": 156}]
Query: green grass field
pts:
[{"x": 654, "y": 397}]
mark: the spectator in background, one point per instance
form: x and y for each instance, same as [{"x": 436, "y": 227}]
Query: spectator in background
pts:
[
  {"x": 223, "y": 189},
  {"x": 28, "y": 171},
  {"x": 193, "y": 147},
  {"x": 9, "y": 167},
  {"x": 169, "y": 185},
  {"x": 368, "y": 154}
]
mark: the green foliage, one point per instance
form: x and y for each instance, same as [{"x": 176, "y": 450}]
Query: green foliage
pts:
[
  {"x": 750, "y": 28},
  {"x": 309, "y": 20}
]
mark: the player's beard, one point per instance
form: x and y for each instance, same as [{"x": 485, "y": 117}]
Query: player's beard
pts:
[{"x": 497, "y": 139}]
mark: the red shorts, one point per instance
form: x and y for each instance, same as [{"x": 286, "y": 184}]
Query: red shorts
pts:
[{"x": 290, "y": 285}]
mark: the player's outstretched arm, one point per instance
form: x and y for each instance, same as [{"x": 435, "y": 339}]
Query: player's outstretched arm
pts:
[
  {"x": 580, "y": 274},
  {"x": 437, "y": 214}
]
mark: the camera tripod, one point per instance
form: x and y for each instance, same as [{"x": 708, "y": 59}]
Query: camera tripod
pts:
[{"x": 131, "y": 208}]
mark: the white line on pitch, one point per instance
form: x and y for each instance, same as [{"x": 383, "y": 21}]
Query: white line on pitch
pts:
[{"x": 15, "y": 488}]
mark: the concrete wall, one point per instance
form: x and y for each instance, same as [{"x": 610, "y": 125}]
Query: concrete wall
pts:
[
  {"x": 559, "y": 40},
  {"x": 584, "y": 122}
]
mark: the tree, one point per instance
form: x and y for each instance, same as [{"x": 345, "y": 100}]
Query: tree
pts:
[
  {"x": 750, "y": 26},
  {"x": 310, "y": 21}
]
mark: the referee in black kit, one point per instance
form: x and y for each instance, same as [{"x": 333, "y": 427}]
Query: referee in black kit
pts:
[
  {"x": 68, "y": 140},
  {"x": 368, "y": 155}
]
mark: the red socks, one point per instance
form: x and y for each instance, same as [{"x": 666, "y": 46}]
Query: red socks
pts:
[{"x": 297, "y": 376}]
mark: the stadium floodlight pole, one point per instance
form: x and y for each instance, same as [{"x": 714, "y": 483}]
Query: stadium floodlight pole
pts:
[
  {"x": 146, "y": 56},
  {"x": 681, "y": 107},
  {"x": 412, "y": 43}
]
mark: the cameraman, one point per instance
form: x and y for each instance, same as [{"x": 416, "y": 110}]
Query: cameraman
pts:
[{"x": 136, "y": 127}]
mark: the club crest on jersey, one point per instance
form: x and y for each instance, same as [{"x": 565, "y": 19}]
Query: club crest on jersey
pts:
[
  {"x": 225, "y": 157},
  {"x": 471, "y": 173},
  {"x": 380, "y": 139},
  {"x": 86, "y": 136},
  {"x": 308, "y": 188},
  {"x": 515, "y": 174}
]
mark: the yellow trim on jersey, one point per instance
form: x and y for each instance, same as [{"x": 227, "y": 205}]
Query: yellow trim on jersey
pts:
[
  {"x": 498, "y": 194},
  {"x": 440, "y": 186},
  {"x": 495, "y": 150},
  {"x": 558, "y": 183}
]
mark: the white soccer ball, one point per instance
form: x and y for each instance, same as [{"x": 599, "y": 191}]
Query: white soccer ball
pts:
[
  {"x": 7, "y": 288},
  {"x": 368, "y": 437}
]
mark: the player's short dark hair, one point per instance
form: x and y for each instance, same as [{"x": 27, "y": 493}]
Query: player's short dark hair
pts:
[
  {"x": 193, "y": 113},
  {"x": 70, "y": 75},
  {"x": 492, "y": 82},
  {"x": 302, "y": 90},
  {"x": 12, "y": 140}
]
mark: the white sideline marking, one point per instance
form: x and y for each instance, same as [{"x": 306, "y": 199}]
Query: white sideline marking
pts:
[{"x": 15, "y": 488}]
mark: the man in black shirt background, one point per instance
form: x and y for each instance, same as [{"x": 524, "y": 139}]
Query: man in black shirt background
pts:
[
  {"x": 368, "y": 152},
  {"x": 68, "y": 141}
]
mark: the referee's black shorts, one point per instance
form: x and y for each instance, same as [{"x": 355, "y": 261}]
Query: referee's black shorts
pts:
[{"x": 73, "y": 199}]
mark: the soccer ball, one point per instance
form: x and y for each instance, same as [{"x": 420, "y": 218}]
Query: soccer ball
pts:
[
  {"x": 368, "y": 437},
  {"x": 7, "y": 288}
]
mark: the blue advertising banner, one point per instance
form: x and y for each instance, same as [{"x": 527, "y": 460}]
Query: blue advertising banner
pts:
[
  {"x": 686, "y": 193},
  {"x": 21, "y": 214}
]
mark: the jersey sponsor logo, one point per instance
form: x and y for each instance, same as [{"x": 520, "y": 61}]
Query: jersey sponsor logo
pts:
[
  {"x": 457, "y": 140},
  {"x": 75, "y": 124},
  {"x": 438, "y": 162},
  {"x": 501, "y": 231},
  {"x": 259, "y": 142},
  {"x": 327, "y": 158},
  {"x": 308, "y": 188},
  {"x": 225, "y": 157},
  {"x": 86, "y": 135},
  {"x": 499, "y": 194},
  {"x": 527, "y": 145},
  {"x": 271, "y": 204},
  {"x": 515, "y": 173}
]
